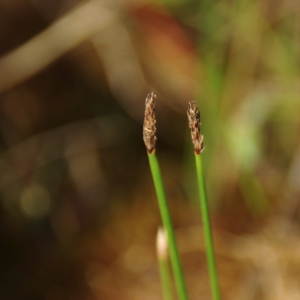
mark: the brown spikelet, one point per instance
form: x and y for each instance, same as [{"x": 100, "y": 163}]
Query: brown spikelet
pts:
[
  {"x": 149, "y": 128},
  {"x": 194, "y": 124}
]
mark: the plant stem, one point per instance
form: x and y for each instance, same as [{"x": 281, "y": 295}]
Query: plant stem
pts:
[
  {"x": 168, "y": 226},
  {"x": 163, "y": 262},
  {"x": 165, "y": 278},
  {"x": 207, "y": 230}
]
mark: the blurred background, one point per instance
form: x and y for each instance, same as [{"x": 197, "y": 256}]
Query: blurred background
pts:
[{"x": 78, "y": 212}]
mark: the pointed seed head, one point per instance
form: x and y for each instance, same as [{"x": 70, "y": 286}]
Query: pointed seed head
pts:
[
  {"x": 149, "y": 128},
  {"x": 194, "y": 124}
]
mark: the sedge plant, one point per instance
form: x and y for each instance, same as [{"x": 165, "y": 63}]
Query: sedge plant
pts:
[
  {"x": 198, "y": 141},
  {"x": 149, "y": 136},
  {"x": 163, "y": 263}
]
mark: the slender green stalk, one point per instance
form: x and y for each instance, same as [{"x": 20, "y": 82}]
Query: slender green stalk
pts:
[
  {"x": 167, "y": 223},
  {"x": 149, "y": 137},
  {"x": 198, "y": 141},
  {"x": 207, "y": 230},
  {"x": 163, "y": 262}
]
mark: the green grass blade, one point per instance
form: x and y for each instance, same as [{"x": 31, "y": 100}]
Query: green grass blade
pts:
[
  {"x": 163, "y": 262},
  {"x": 207, "y": 230},
  {"x": 167, "y": 223}
]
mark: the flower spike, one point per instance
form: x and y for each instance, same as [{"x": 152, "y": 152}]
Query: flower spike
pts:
[
  {"x": 194, "y": 124},
  {"x": 149, "y": 128}
]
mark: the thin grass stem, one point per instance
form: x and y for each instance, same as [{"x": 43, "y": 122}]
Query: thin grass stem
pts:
[
  {"x": 163, "y": 263},
  {"x": 198, "y": 141},
  {"x": 149, "y": 137},
  {"x": 212, "y": 268},
  {"x": 168, "y": 226}
]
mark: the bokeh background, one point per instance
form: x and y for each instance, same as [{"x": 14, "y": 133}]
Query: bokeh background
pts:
[{"x": 78, "y": 212}]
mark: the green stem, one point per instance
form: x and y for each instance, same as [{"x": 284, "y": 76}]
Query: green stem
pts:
[
  {"x": 207, "y": 230},
  {"x": 165, "y": 278},
  {"x": 167, "y": 223},
  {"x": 162, "y": 250}
]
